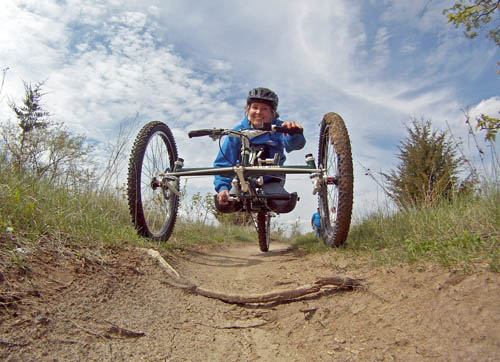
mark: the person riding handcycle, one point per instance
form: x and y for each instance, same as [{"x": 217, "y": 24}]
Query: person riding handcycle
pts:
[
  {"x": 261, "y": 113},
  {"x": 249, "y": 170}
]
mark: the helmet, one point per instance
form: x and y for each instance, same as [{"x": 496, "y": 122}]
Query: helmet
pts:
[{"x": 263, "y": 95}]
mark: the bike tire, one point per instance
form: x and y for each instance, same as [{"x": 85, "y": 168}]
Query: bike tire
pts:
[
  {"x": 264, "y": 230},
  {"x": 335, "y": 156},
  {"x": 153, "y": 209}
]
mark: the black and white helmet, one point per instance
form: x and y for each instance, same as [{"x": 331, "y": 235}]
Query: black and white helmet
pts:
[{"x": 263, "y": 95}]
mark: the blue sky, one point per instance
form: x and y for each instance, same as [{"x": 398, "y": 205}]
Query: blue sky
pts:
[{"x": 190, "y": 64}]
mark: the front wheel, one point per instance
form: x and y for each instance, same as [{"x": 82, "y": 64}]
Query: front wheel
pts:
[
  {"x": 264, "y": 230},
  {"x": 152, "y": 205},
  {"x": 336, "y": 192}
]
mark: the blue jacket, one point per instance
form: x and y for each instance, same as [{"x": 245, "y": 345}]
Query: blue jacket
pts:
[
  {"x": 276, "y": 143},
  {"x": 316, "y": 220}
]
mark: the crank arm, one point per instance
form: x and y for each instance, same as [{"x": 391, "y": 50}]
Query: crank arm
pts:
[{"x": 167, "y": 182}]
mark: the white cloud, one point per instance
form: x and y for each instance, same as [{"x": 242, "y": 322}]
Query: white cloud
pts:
[
  {"x": 489, "y": 107},
  {"x": 190, "y": 63},
  {"x": 381, "y": 48}
]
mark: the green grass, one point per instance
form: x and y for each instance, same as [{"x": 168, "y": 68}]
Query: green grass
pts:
[
  {"x": 459, "y": 234},
  {"x": 37, "y": 211},
  {"x": 309, "y": 243},
  {"x": 36, "y": 208},
  {"x": 186, "y": 233}
]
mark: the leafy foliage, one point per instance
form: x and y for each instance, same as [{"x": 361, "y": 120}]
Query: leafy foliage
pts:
[
  {"x": 200, "y": 207},
  {"x": 39, "y": 147},
  {"x": 429, "y": 168},
  {"x": 476, "y": 15},
  {"x": 490, "y": 125},
  {"x": 236, "y": 218}
]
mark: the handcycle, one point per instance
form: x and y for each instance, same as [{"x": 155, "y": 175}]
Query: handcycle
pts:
[{"x": 155, "y": 171}]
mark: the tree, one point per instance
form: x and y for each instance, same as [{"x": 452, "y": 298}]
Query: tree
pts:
[
  {"x": 39, "y": 147},
  {"x": 428, "y": 169},
  {"x": 490, "y": 125},
  {"x": 476, "y": 15}
]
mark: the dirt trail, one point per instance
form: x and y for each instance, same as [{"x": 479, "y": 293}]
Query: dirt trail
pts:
[{"x": 121, "y": 310}]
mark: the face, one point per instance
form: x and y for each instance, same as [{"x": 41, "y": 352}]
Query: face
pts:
[{"x": 259, "y": 114}]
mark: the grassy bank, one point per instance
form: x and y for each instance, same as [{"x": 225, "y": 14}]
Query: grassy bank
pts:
[
  {"x": 461, "y": 234},
  {"x": 36, "y": 211}
]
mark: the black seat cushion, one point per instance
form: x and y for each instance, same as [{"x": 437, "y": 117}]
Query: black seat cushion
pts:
[{"x": 283, "y": 206}]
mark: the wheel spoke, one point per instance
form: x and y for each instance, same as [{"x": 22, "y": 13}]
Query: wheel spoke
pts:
[{"x": 157, "y": 208}]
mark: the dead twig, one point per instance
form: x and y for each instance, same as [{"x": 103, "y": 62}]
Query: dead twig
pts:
[
  {"x": 256, "y": 325},
  {"x": 308, "y": 313},
  {"x": 342, "y": 283},
  {"x": 113, "y": 332},
  {"x": 11, "y": 344},
  {"x": 87, "y": 330},
  {"x": 122, "y": 332}
]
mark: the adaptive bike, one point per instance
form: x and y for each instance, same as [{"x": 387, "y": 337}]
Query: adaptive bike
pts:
[{"x": 155, "y": 171}]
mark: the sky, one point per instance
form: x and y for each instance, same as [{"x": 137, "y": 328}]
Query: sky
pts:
[{"x": 190, "y": 64}]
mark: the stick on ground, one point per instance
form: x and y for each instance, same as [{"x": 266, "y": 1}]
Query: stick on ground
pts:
[{"x": 341, "y": 283}]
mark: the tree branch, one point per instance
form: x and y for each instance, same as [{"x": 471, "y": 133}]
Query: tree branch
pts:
[{"x": 342, "y": 283}]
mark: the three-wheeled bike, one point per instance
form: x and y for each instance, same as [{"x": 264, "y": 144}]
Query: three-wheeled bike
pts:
[{"x": 155, "y": 171}]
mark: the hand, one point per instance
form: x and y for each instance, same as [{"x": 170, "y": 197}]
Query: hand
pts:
[
  {"x": 223, "y": 197},
  {"x": 291, "y": 125}
]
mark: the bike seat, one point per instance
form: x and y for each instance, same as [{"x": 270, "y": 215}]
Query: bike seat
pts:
[{"x": 282, "y": 204}]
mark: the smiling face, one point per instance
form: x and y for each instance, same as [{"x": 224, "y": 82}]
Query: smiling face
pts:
[{"x": 259, "y": 114}]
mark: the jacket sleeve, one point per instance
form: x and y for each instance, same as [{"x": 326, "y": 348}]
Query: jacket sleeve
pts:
[
  {"x": 228, "y": 157},
  {"x": 293, "y": 142}
]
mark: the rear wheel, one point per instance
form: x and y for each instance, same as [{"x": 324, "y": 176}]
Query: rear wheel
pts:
[
  {"x": 264, "y": 230},
  {"x": 336, "y": 192},
  {"x": 152, "y": 205}
]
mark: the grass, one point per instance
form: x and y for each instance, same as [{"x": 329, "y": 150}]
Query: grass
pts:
[
  {"x": 33, "y": 212},
  {"x": 461, "y": 234},
  {"x": 32, "y": 209},
  {"x": 309, "y": 243},
  {"x": 186, "y": 232}
]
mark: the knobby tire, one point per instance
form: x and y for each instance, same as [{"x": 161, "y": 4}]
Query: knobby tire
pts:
[
  {"x": 263, "y": 229},
  {"x": 335, "y": 155},
  {"x": 153, "y": 210}
]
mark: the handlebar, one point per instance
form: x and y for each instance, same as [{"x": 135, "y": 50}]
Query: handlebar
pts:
[
  {"x": 205, "y": 132},
  {"x": 217, "y": 132},
  {"x": 291, "y": 131}
]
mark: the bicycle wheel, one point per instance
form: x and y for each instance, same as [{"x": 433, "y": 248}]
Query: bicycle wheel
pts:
[
  {"x": 153, "y": 207},
  {"x": 336, "y": 193},
  {"x": 264, "y": 230}
]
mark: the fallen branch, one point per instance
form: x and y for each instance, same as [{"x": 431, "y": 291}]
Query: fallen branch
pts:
[
  {"x": 12, "y": 344},
  {"x": 86, "y": 330},
  {"x": 114, "y": 331},
  {"x": 249, "y": 326},
  {"x": 341, "y": 283},
  {"x": 122, "y": 332}
]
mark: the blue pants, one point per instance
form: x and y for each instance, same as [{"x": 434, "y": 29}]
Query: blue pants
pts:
[{"x": 316, "y": 231}]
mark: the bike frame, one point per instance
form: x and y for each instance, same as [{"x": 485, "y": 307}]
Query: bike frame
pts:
[
  {"x": 244, "y": 170},
  {"x": 155, "y": 170}
]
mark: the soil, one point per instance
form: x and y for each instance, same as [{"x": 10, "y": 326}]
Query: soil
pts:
[{"x": 116, "y": 306}]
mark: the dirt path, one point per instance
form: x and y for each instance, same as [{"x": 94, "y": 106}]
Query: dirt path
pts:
[{"x": 121, "y": 310}]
